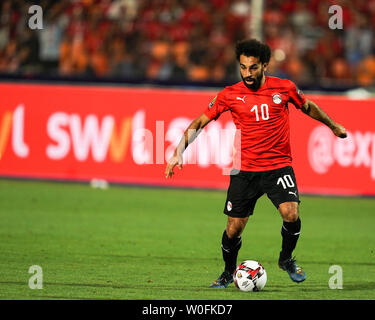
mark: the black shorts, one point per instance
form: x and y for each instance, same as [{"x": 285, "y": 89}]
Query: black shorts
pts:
[{"x": 246, "y": 187}]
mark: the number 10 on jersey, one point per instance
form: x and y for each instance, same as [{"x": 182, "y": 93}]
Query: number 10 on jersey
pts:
[{"x": 263, "y": 111}]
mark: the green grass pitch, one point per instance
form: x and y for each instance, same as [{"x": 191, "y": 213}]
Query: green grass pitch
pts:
[{"x": 143, "y": 243}]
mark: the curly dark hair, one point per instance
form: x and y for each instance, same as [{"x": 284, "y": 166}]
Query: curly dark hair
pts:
[{"x": 253, "y": 48}]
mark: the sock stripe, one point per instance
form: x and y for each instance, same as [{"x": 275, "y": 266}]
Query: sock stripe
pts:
[
  {"x": 294, "y": 234},
  {"x": 226, "y": 250}
]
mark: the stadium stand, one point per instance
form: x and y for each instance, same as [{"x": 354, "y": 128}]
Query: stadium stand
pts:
[{"x": 186, "y": 41}]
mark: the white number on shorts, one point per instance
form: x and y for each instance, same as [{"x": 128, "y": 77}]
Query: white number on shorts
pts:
[{"x": 286, "y": 181}]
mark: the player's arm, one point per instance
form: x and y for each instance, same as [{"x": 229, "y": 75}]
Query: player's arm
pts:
[
  {"x": 188, "y": 137},
  {"x": 314, "y": 111}
]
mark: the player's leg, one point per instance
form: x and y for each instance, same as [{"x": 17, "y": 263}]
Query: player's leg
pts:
[
  {"x": 243, "y": 193},
  {"x": 290, "y": 232},
  {"x": 231, "y": 242},
  {"x": 281, "y": 187},
  {"x": 290, "y": 229}
]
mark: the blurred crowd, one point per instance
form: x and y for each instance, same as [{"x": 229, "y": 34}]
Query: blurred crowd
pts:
[
  {"x": 187, "y": 40},
  {"x": 307, "y": 50}
]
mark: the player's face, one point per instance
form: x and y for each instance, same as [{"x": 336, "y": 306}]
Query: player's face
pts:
[{"x": 252, "y": 72}]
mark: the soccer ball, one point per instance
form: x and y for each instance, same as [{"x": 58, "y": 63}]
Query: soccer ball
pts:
[{"x": 250, "y": 276}]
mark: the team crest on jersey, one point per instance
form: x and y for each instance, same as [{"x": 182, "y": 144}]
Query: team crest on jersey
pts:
[
  {"x": 212, "y": 103},
  {"x": 276, "y": 98}
]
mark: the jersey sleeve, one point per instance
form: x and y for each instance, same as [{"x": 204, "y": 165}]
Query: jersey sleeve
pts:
[
  {"x": 217, "y": 106},
  {"x": 296, "y": 96}
]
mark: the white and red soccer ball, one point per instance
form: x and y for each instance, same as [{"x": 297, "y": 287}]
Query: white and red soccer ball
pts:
[{"x": 250, "y": 275}]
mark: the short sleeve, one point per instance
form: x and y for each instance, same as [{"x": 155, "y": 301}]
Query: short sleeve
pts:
[
  {"x": 296, "y": 96},
  {"x": 217, "y": 106}
]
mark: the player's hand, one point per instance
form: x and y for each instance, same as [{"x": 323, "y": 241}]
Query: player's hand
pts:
[
  {"x": 174, "y": 161},
  {"x": 339, "y": 131}
]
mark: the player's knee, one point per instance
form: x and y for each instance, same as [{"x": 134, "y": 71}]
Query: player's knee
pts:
[
  {"x": 234, "y": 232},
  {"x": 235, "y": 227},
  {"x": 290, "y": 217},
  {"x": 289, "y": 212}
]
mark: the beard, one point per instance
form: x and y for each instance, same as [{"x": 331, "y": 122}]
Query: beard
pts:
[{"x": 255, "y": 85}]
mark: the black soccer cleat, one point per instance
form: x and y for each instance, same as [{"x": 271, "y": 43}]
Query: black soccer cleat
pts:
[
  {"x": 295, "y": 272},
  {"x": 223, "y": 281}
]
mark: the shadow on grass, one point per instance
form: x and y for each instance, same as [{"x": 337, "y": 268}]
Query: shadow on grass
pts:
[
  {"x": 115, "y": 286},
  {"x": 305, "y": 286},
  {"x": 163, "y": 258},
  {"x": 340, "y": 263},
  {"x": 187, "y": 259}
]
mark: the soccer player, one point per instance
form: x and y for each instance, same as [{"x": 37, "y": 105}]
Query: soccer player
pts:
[{"x": 259, "y": 108}]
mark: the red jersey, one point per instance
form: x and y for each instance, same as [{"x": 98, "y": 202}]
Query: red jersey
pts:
[{"x": 263, "y": 118}]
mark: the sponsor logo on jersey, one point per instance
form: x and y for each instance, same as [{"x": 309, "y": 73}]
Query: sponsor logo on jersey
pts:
[{"x": 242, "y": 99}]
